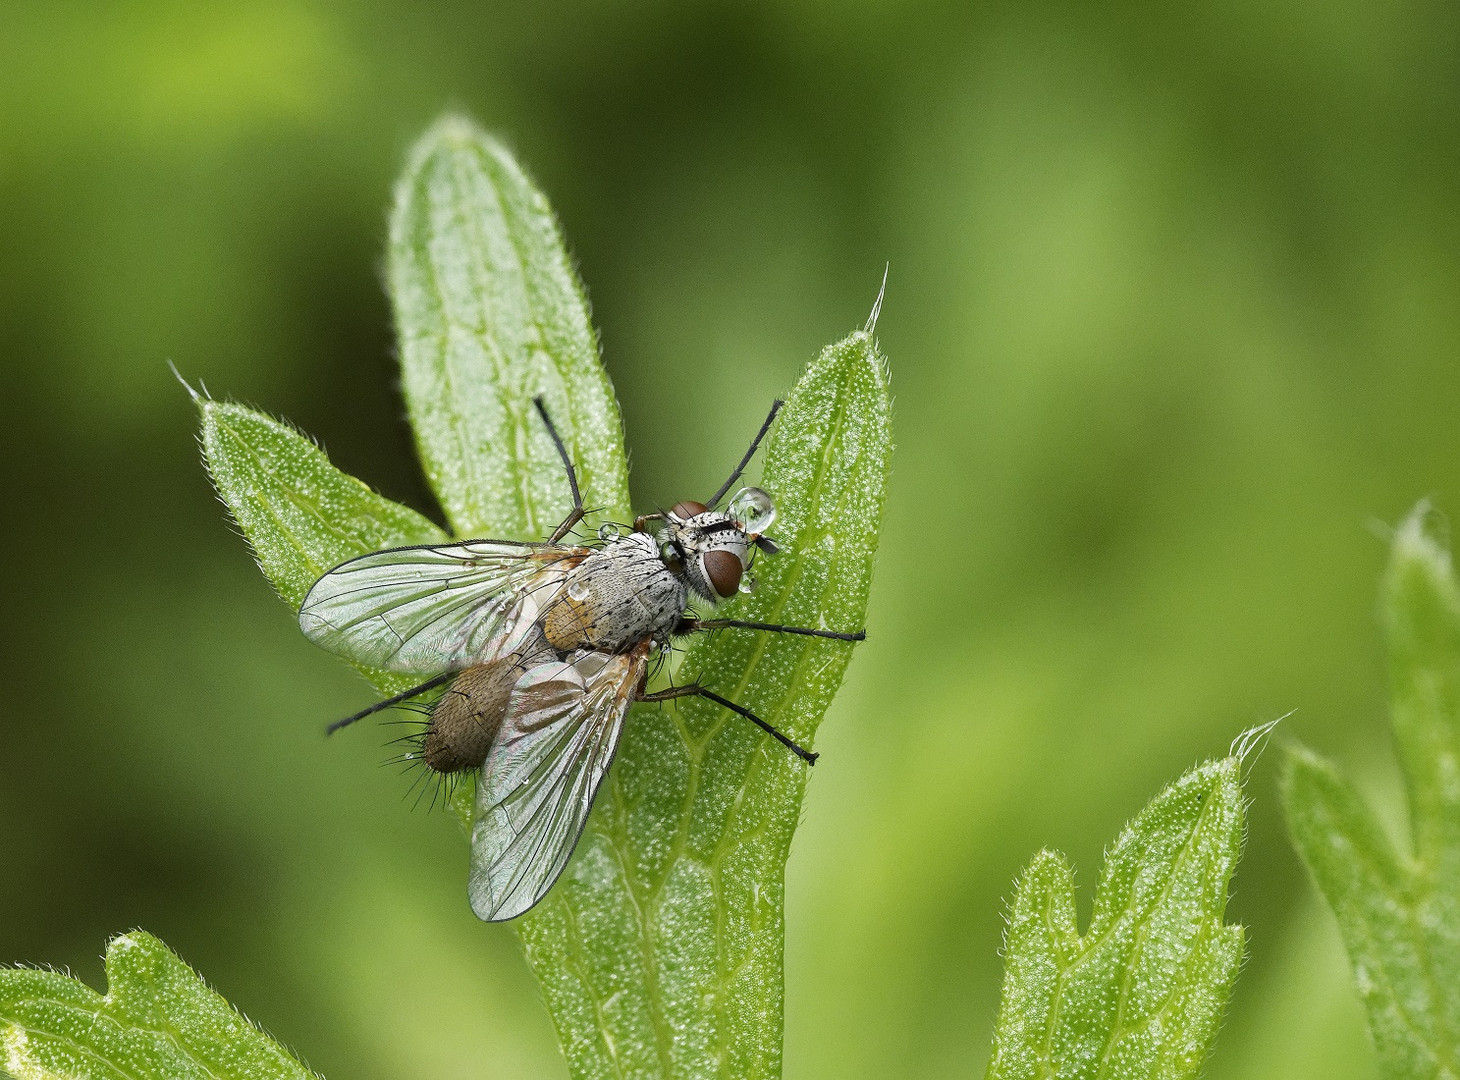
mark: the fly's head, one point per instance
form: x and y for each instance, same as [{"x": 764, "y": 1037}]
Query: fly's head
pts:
[{"x": 712, "y": 548}]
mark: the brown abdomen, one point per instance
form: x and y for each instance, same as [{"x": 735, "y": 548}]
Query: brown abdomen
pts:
[{"x": 465, "y": 721}]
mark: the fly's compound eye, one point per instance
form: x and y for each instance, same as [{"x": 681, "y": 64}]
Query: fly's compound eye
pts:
[
  {"x": 723, "y": 570},
  {"x": 688, "y": 509},
  {"x": 753, "y": 508}
]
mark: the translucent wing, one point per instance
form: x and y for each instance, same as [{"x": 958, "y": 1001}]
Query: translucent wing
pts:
[
  {"x": 435, "y": 607},
  {"x": 538, "y": 783}
]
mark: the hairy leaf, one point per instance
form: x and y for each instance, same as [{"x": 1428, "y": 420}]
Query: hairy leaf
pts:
[
  {"x": 157, "y": 1021},
  {"x": 1139, "y": 996},
  {"x": 300, "y": 514},
  {"x": 660, "y": 950},
  {"x": 1400, "y": 915},
  {"x": 489, "y": 313}
]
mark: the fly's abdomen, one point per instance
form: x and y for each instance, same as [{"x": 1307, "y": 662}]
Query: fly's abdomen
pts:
[{"x": 465, "y": 721}]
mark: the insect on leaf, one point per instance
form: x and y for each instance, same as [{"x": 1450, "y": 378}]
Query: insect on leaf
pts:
[
  {"x": 660, "y": 950},
  {"x": 157, "y": 1021},
  {"x": 1140, "y": 994},
  {"x": 1399, "y": 914}
]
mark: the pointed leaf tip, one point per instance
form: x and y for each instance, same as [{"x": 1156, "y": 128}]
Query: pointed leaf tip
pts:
[
  {"x": 1140, "y": 995},
  {"x": 871, "y": 325},
  {"x": 1255, "y": 738},
  {"x": 300, "y": 514},
  {"x": 198, "y": 398}
]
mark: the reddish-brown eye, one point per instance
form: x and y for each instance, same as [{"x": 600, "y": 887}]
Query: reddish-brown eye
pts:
[
  {"x": 688, "y": 509},
  {"x": 723, "y": 569}
]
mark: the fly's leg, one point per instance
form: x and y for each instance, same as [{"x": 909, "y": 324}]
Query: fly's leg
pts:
[
  {"x": 699, "y": 691},
  {"x": 576, "y": 514},
  {"x": 404, "y": 695},
  {"x": 689, "y": 625}
]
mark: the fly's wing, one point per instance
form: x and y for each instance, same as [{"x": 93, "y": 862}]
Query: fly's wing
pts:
[
  {"x": 435, "y": 607},
  {"x": 538, "y": 782}
]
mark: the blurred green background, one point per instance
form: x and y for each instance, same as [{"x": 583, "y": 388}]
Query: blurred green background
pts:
[{"x": 1173, "y": 323}]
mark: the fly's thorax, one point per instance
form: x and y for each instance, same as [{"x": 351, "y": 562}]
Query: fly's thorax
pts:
[{"x": 622, "y": 594}]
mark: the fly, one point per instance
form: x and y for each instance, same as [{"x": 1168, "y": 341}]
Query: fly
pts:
[{"x": 543, "y": 647}]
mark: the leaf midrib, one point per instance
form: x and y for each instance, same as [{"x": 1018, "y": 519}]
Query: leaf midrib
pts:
[{"x": 1088, "y": 946}]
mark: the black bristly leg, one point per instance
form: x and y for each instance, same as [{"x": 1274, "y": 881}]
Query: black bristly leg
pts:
[
  {"x": 404, "y": 695},
  {"x": 689, "y": 626},
  {"x": 775, "y": 408},
  {"x": 576, "y": 514},
  {"x": 699, "y": 691}
]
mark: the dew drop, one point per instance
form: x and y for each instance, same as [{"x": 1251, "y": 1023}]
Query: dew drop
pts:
[{"x": 753, "y": 508}]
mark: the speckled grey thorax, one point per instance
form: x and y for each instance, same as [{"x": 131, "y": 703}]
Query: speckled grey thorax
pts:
[{"x": 616, "y": 597}]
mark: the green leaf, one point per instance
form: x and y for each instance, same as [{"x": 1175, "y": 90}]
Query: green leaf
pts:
[
  {"x": 299, "y": 513},
  {"x": 489, "y": 313},
  {"x": 660, "y": 950},
  {"x": 1141, "y": 993},
  {"x": 1400, "y": 915},
  {"x": 157, "y": 1021}
]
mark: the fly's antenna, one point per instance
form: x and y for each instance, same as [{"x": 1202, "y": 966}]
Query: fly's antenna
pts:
[
  {"x": 754, "y": 446},
  {"x": 871, "y": 326}
]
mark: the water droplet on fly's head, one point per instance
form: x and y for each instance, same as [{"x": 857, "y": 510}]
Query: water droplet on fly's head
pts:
[
  {"x": 753, "y": 508},
  {"x": 608, "y": 531},
  {"x": 747, "y": 584},
  {"x": 667, "y": 552}
]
